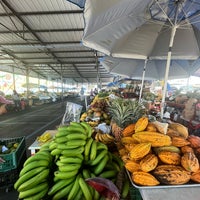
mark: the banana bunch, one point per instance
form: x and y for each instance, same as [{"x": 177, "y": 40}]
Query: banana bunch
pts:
[
  {"x": 44, "y": 138},
  {"x": 60, "y": 169},
  {"x": 104, "y": 138},
  {"x": 79, "y": 157},
  {"x": 34, "y": 177}
]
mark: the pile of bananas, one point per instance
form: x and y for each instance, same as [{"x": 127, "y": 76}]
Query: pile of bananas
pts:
[
  {"x": 79, "y": 157},
  {"x": 104, "y": 138},
  {"x": 44, "y": 138},
  {"x": 33, "y": 178},
  {"x": 76, "y": 157}
]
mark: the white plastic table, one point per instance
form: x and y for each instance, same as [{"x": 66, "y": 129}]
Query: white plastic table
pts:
[{"x": 37, "y": 145}]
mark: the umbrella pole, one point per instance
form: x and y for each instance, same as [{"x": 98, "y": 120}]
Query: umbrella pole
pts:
[
  {"x": 143, "y": 75},
  {"x": 173, "y": 32}
]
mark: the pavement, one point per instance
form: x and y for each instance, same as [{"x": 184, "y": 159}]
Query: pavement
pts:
[{"x": 30, "y": 124}]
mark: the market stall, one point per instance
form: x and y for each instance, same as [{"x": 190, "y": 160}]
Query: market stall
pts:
[{"x": 115, "y": 142}]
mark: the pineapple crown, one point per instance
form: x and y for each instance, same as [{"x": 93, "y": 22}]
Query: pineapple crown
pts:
[{"x": 125, "y": 111}]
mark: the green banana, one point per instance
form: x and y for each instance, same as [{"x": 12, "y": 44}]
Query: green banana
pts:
[
  {"x": 65, "y": 175},
  {"x": 108, "y": 174},
  {"x": 96, "y": 195},
  {"x": 45, "y": 147},
  {"x": 52, "y": 145},
  {"x": 98, "y": 158},
  {"x": 40, "y": 177},
  {"x": 99, "y": 168},
  {"x": 59, "y": 185},
  {"x": 76, "y": 142},
  {"x": 85, "y": 189},
  {"x": 34, "y": 164},
  {"x": 79, "y": 195},
  {"x": 118, "y": 160},
  {"x": 74, "y": 189},
  {"x": 62, "y": 133},
  {"x": 38, "y": 156},
  {"x": 56, "y": 152},
  {"x": 76, "y": 128},
  {"x": 76, "y": 136},
  {"x": 93, "y": 150},
  {"x": 61, "y": 139},
  {"x": 62, "y": 129},
  {"x": 63, "y": 192},
  {"x": 86, "y": 173},
  {"x": 78, "y": 156},
  {"x": 125, "y": 188},
  {"x": 77, "y": 124},
  {"x": 39, "y": 195},
  {"x": 71, "y": 160},
  {"x": 69, "y": 168},
  {"x": 87, "y": 148},
  {"x": 87, "y": 128},
  {"x": 63, "y": 146},
  {"x": 35, "y": 190},
  {"x": 27, "y": 176},
  {"x": 101, "y": 146},
  {"x": 73, "y": 152}
]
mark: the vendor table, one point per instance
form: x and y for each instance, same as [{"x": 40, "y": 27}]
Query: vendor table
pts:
[{"x": 37, "y": 145}]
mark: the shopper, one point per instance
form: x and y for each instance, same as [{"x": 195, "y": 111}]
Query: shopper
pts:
[
  {"x": 16, "y": 99},
  {"x": 82, "y": 94}
]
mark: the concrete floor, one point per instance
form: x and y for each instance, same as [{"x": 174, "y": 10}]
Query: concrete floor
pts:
[{"x": 30, "y": 124}]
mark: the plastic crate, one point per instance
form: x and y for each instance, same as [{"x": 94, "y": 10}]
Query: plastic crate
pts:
[{"x": 11, "y": 160}]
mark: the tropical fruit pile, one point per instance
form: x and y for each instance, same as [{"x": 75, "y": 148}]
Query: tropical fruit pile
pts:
[
  {"x": 97, "y": 112},
  {"x": 66, "y": 167},
  {"x": 158, "y": 153}
]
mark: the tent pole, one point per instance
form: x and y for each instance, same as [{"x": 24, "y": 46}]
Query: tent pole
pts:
[
  {"x": 143, "y": 75},
  {"x": 173, "y": 32}
]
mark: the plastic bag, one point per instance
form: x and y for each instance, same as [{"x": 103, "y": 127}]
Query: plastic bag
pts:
[{"x": 72, "y": 113}]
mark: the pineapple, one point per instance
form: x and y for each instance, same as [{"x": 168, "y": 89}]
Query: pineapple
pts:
[{"x": 124, "y": 112}]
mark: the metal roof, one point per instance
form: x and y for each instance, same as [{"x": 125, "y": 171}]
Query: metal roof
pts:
[{"x": 43, "y": 38}]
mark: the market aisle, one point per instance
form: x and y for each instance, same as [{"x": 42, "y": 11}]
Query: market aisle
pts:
[{"x": 32, "y": 123}]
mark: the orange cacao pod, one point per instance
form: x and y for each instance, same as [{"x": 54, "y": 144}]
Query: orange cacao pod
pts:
[
  {"x": 141, "y": 124},
  {"x": 179, "y": 141},
  {"x": 196, "y": 176},
  {"x": 190, "y": 162},
  {"x": 171, "y": 158},
  {"x": 171, "y": 174},
  {"x": 140, "y": 150},
  {"x": 194, "y": 141},
  {"x": 144, "y": 178},
  {"x": 149, "y": 162}
]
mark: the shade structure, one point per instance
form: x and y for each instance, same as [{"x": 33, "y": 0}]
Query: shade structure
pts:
[
  {"x": 148, "y": 29},
  {"x": 150, "y": 69},
  {"x": 155, "y": 69}
]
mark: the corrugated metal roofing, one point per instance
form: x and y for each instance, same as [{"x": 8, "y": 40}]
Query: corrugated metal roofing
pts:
[{"x": 44, "y": 36}]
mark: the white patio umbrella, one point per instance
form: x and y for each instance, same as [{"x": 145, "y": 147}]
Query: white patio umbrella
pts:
[
  {"x": 149, "y": 69},
  {"x": 148, "y": 29}
]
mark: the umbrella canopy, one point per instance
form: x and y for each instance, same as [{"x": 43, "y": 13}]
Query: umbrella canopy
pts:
[
  {"x": 142, "y": 29},
  {"x": 155, "y": 69},
  {"x": 148, "y": 29}
]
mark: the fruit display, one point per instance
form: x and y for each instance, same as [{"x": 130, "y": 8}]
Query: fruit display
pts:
[
  {"x": 71, "y": 166},
  {"x": 154, "y": 158},
  {"x": 97, "y": 112}
]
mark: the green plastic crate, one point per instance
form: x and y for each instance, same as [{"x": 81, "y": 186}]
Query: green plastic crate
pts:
[{"x": 11, "y": 160}]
